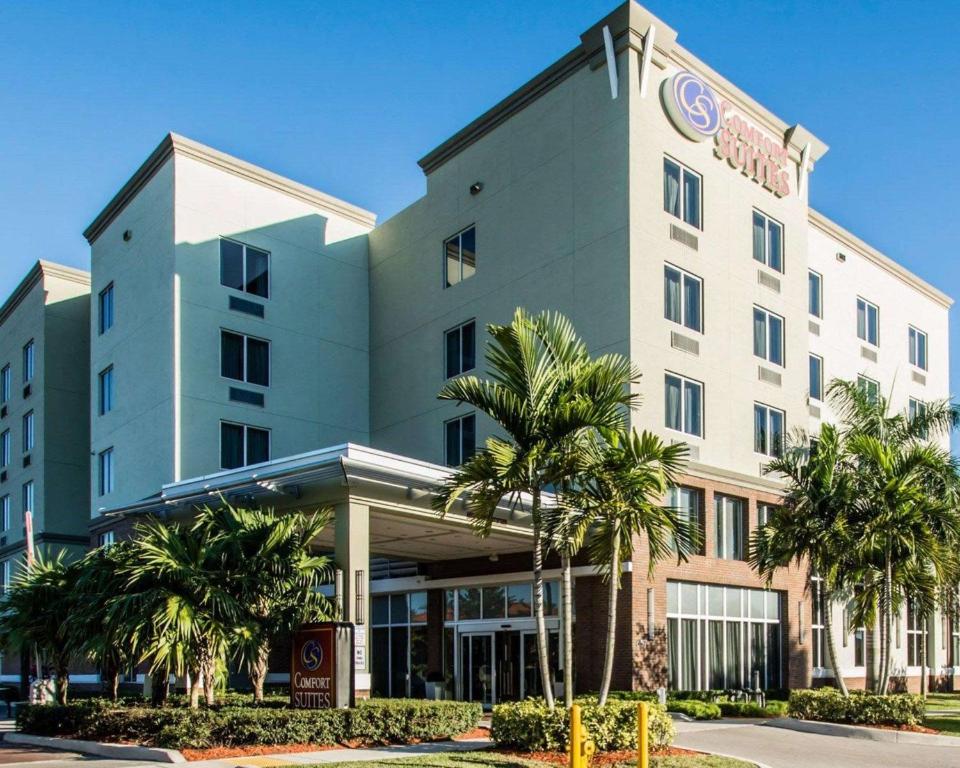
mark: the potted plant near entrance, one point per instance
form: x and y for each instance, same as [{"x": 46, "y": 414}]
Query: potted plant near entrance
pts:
[{"x": 436, "y": 686}]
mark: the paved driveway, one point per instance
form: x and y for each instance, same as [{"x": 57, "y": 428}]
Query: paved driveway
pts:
[{"x": 781, "y": 748}]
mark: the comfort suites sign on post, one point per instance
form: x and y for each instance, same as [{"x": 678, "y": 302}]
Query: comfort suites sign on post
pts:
[
  {"x": 695, "y": 111},
  {"x": 321, "y": 666}
]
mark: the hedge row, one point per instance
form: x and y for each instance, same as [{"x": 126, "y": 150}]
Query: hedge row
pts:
[
  {"x": 379, "y": 721},
  {"x": 859, "y": 708},
  {"x": 531, "y": 727}
]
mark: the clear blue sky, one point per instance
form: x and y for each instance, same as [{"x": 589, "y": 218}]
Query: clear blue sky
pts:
[{"x": 346, "y": 96}]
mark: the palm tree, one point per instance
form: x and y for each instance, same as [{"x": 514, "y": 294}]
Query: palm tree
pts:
[
  {"x": 270, "y": 572},
  {"x": 616, "y": 498},
  {"x": 35, "y": 614},
  {"x": 544, "y": 392},
  {"x": 812, "y": 525},
  {"x": 906, "y": 486}
]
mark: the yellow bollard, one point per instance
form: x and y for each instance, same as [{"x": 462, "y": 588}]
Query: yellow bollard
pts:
[
  {"x": 574, "y": 741},
  {"x": 643, "y": 736}
]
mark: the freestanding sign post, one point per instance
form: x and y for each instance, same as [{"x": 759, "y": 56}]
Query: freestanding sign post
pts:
[{"x": 321, "y": 666}]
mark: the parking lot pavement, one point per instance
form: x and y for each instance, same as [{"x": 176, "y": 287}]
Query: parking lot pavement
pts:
[
  {"x": 780, "y": 748},
  {"x": 39, "y": 757}
]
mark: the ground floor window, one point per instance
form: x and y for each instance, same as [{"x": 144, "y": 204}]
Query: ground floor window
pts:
[
  {"x": 914, "y": 634},
  {"x": 722, "y": 637},
  {"x": 398, "y": 645},
  {"x": 955, "y": 634}
]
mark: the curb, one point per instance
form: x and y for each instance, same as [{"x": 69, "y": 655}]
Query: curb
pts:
[
  {"x": 860, "y": 732},
  {"x": 115, "y": 751}
]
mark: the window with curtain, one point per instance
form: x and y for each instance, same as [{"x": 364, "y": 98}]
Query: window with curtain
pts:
[
  {"x": 460, "y": 349},
  {"x": 731, "y": 527},
  {"x": 868, "y": 322},
  {"x": 683, "y": 298},
  {"x": 106, "y": 472},
  {"x": 815, "y": 289},
  {"x": 915, "y": 628},
  {"x": 105, "y": 310},
  {"x": 869, "y": 386},
  {"x": 244, "y": 268},
  {"x": 28, "y": 361},
  {"x": 768, "y": 336},
  {"x": 6, "y": 384},
  {"x": 244, "y": 358},
  {"x": 460, "y": 439},
  {"x": 242, "y": 445},
  {"x": 683, "y": 404},
  {"x": 5, "y": 448},
  {"x": 689, "y": 504},
  {"x": 917, "y": 409},
  {"x": 460, "y": 256},
  {"x": 768, "y": 430},
  {"x": 682, "y": 192},
  {"x": 917, "y": 347},
  {"x": 816, "y": 377},
  {"x": 105, "y": 391},
  {"x": 767, "y": 241}
]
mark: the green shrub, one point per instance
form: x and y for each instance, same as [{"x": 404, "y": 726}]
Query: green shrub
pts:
[
  {"x": 698, "y": 710},
  {"x": 860, "y": 708},
  {"x": 751, "y": 709},
  {"x": 381, "y": 721},
  {"x": 530, "y": 726},
  {"x": 649, "y": 696}
]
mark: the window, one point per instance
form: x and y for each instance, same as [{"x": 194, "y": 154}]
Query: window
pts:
[
  {"x": 683, "y": 298},
  {"x": 816, "y": 626},
  {"x": 5, "y": 448},
  {"x": 460, "y": 256},
  {"x": 105, "y": 310},
  {"x": 105, "y": 464},
  {"x": 461, "y": 349},
  {"x": 914, "y": 634},
  {"x": 244, "y": 358},
  {"x": 720, "y": 637},
  {"x": 681, "y": 192},
  {"x": 28, "y": 362},
  {"x": 815, "y": 281},
  {"x": 242, "y": 445},
  {"x": 765, "y": 512},
  {"x": 105, "y": 391},
  {"x": 731, "y": 515},
  {"x": 869, "y": 387},
  {"x": 399, "y": 645},
  {"x": 816, "y": 377},
  {"x": 768, "y": 433},
  {"x": 5, "y": 511},
  {"x": 106, "y": 539},
  {"x": 28, "y": 432},
  {"x": 918, "y": 348},
  {"x": 868, "y": 322},
  {"x": 767, "y": 241},
  {"x": 28, "y": 496},
  {"x": 684, "y": 405},
  {"x": 460, "y": 439},
  {"x": 5, "y": 577},
  {"x": 244, "y": 268},
  {"x": 688, "y": 502},
  {"x": 917, "y": 409},
  {"x": 5, "y": 385},
  {"x": 768, "y": 336},
  {"x": 955, "y": 632}
]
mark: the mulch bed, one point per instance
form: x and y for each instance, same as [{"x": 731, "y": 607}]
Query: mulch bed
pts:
[
  {"x": 908, "y": 728},
  {"x": 219, "y": 753}
]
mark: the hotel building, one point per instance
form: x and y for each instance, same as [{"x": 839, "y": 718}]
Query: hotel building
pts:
[{"x": 275, "y": 345}]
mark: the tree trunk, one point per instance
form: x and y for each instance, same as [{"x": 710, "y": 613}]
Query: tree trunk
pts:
[
  {"x": 258, "y": 670},
  {"x": 887, "y": 622},
  {"x": 210, "y": 682},
  {"x": 63, "y": 678},
  {"x": 194, "y": 678},
  {"x": 878, "y": 666},
  {"x": 826, "y": 606},
  {"x": 109, "y": 677},
  {"x": 613, "y": 589},
  {"x": 543, "y": 647},
  {"x": 159, "y": 686},
  {"x": 566, "y": 614}
]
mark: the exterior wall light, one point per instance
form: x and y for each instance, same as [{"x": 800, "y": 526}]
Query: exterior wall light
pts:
[{"x": 476, "y": 188}]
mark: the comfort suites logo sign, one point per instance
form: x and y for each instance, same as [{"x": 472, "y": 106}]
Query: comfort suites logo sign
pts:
[
  {"x": 314, "y": 679},
  {"x": 698, "y": 114}
]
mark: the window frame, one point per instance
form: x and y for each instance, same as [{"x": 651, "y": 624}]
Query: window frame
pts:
[
  {"x": 768, "y": 449},
  {"x": 6, "y": 448},
  {"x": 699, "y": 515},
  {"x": 684, "y": 380},
  {"x": 106, "y": 472},
  {"x": 459, "y": 420},
  {"x": 106, "y": 296},
  {"x": 29, "y": 431},
  {"x": 684, "y": 276},
  {"x": 914, "y": 635},
  {"x": 458, "y": 236},
  {"x": 29, "y": 361},
  {"x": 767, "y": 219},
  {"x": 866, "y": 321},
  {"x": 246, "y": 443},
  {"x": 246, "y": 357},
  {"x": 865, "y": 381},
  {"x": 5, "y": 512},
  {"x": 812, "y": 273},
  {"x": 719, "y": 549},
  {"x": 245, "y": 246},
  {"x": 682, "y": 201},
  {"x": 6, "y": 384},
  {"x": 446, "y": 361},
  {"x": 914, "y": 335},
  {"x": 819, "y": 358},
  {"x": 767, "y": 314},
  {"x": 106, "y": 539},
  {"x": 105, "y": 395},
  {"x": 29, "y": 489}
]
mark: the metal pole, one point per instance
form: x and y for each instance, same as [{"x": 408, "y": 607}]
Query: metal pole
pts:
[
  {"x": 643, "y": 741},
  {"x": 575, "y": 736}
]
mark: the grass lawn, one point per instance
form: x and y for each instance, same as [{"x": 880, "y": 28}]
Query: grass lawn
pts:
[
  {"x": 944, "y": 701},
  {"x": 948, "y": 726},
  {"x": 493, "y": 760}
]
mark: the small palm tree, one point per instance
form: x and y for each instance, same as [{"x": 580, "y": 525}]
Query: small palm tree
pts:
[
  {"x": 615, "y": 499},
  {"x": 812, "y": 526},
  {"x": 544, "y": 392},
  {"x": 35, "y": 614}
]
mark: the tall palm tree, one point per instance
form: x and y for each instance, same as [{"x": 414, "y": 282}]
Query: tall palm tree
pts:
[
  {"x": 615, "y": 499},
  {"x": 812, "y": 526},
  {"x": 35, "y": 614},
  {"x": 271, "y": 574},
  {"x": 544, "y": 392}
]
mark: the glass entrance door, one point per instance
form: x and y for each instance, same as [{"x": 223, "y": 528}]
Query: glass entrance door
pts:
[{"x": 477, "y": 666}]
